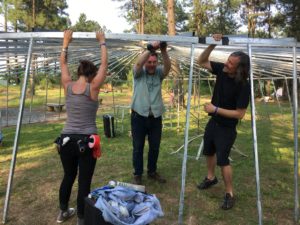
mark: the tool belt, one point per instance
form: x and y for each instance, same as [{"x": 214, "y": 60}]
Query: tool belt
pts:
[{"x": 84, "y": 142}]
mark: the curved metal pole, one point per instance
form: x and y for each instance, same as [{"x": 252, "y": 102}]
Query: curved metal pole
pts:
[
  {"x": 254, "y": 135},
  {"x": 295, "y": 116},
  {"x": 186, "y": 139},
  {"x": 18, "y": 129}
]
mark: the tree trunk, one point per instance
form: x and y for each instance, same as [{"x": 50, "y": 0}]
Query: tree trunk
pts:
[
  {"x": 33, "y": 15},
  {"x": 268, "y": 88},
  {"x": 142, "y": 20},
  {"x": 178, "y": 93},
  {"x": 171, "y": 18}
]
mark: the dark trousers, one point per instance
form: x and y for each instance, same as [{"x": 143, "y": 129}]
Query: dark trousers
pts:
[
  {"x": 140, "y": 127},
  {"x": 73, "y": 161}
]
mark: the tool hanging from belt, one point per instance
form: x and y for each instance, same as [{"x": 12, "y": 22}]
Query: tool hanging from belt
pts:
[{"x": 93, "y": 142}]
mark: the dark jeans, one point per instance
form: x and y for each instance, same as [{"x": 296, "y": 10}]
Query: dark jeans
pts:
[
  {"x": 140, "y": 127},
  {"x": 73, "y": 160}
]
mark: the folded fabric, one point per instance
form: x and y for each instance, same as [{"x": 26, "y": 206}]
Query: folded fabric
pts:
[{"x": 123, "y": 206}]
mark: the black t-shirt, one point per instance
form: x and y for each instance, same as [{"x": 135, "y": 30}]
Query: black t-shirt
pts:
[{"x": 228, "y": 94}]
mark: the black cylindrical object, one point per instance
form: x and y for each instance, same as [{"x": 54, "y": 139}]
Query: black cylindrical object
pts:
[{"x": 109, "y": 127}]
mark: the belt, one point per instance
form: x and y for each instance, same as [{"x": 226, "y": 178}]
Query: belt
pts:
[{"x": 149, "y": 116}]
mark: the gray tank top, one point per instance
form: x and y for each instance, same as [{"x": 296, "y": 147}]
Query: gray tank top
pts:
[{"x": 81, "y": 112}]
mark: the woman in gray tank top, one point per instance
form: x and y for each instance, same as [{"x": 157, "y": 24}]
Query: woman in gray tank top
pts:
[{"x": 81, "y": 106}]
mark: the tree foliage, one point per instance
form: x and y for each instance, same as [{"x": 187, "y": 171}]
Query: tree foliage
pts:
[
  {"x": 289, "y": 12},
  {"x": 260, "y": 18},
  {"x": 85, "y": 25},
  {"x": 27, "y": 15}
]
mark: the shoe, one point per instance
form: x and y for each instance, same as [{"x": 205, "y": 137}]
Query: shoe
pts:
[
  {"x": 65, "y": 215},
  {"x": 80, "y": 221},
  {"x": 155, "y": 176},
  {"x": 137, "y": 179},
  {"x": 207, "y": 183},
  {"x": 228, "y": 202}
]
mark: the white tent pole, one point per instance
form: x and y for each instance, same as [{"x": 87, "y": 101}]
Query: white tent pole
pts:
[
  {"x": 253, "y": 121},
  {"x": 18, "y": 129},
  {"x": 295, "y": 115},
  {"x": 186, "y": 138}
]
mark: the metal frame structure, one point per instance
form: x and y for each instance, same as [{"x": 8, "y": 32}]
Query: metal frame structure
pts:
[{"x": 45, "y": 46}]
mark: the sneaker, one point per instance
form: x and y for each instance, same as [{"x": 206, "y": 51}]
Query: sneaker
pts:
[
  {"x": 228, "y": 202},
  {"x": 207, "y": 183},
  {"x": 65, "y": 215},
  {"x": 137, "y": 179},
  {"x": 155, "y": 176}
]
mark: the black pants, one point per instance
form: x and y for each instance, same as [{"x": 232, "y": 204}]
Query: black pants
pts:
[
  {"x": 73, "y": 161},
  {"x": 140, "y": 127}
]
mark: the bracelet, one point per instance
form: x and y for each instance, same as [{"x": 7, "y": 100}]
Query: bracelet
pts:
[
  {"x": 104, "y": 44},
  {"x": 64, "y": 50},
  {"x": 216, "y": 110}
]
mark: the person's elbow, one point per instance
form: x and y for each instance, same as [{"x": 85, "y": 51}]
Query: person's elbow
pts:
[
  {"x": 241, "y": 113},
  {"x": 204, "y": 64}
]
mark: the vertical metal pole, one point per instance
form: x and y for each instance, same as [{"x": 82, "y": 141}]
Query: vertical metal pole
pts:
[
  {"x": 186, "y": 139},
  {"x": 46, "y": 94},
  {"x": 254, "y": 135},
  {"x": 295, "y": 116},
  {"x": 18, "y": 129},
  {"x": 288, "y": 92},
  {"x": 178, "y": 108},
  {"x": 7, "y": 78},
  {"x": 113, "y": 97}
]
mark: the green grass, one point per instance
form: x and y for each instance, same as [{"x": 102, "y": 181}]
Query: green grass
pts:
[{"x": 38, "y": 172}]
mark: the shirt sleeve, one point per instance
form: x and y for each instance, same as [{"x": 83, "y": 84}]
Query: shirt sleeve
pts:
[
  {"x": 137, "y": 75},
  {"x": 216, "y": 67},
  {"x": 244, "y": 97}
]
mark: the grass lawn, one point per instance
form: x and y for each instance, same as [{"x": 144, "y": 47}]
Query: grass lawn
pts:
[{"x": 38, "y": 173}]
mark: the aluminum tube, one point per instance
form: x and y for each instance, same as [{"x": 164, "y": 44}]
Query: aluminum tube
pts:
[
  {"x": 92, "y": 35},
  {"x": 145, "y": 37},
  {"x": 295, "y": 115},
  {"x": 254, "y": 135},
  {"x": 18, "y": 129},
  {"x": 289, "y": 95},
  {"x": 186, "y": 138}
]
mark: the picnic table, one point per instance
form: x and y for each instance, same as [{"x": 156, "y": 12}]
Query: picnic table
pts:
[{"x": 57, "y": 107}]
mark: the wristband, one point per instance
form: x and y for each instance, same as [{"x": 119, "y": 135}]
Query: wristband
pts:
[
  {"x": 104, "y": 44},
  {"x": 64, "y": 50},
  {"x": 216, "y": 110}
]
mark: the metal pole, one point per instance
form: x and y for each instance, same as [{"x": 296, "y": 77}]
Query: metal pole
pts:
[
  {"x": 186, "y": 139},
  {"x": 254, "y": 135},
  {"x": 18, "y": 129},
  {"x": 295, "y": 115},
  {"x": 46, "y": 94},
  {"x": 288, "y": 92},
  {"x": 6, "y": 112}
]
